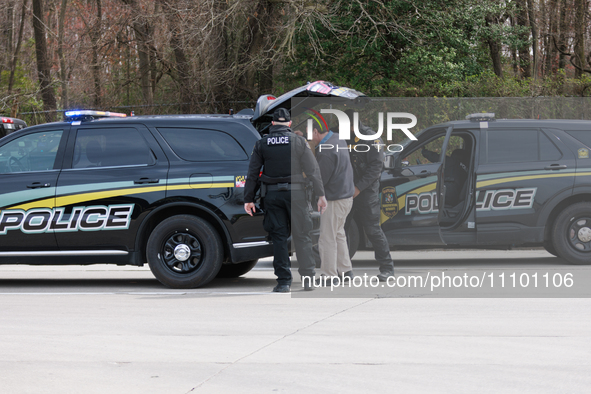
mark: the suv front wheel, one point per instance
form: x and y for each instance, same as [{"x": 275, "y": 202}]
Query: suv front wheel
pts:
[
  {"x": 571, "y": 234},
  {"x": 184, "y": 252}
]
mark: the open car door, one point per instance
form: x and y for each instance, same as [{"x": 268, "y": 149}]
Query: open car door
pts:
[
  {"x": 267, "y": 104},
  {"x": 413, "y": 191}
]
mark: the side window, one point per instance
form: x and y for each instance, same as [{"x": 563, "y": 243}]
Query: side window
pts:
[
  {"x": 31, "y": 152},
  {"x": 202, "y": 144},
  {"x": 583, "y": 136},
  {"x": 111, "y": 148},
  {"x": 429, "y": 152},
  {"x": 518, "y": 146},
  {"x": 548, "y": 151}
]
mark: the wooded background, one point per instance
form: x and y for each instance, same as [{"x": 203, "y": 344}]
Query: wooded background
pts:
[{"x": 194, "y": 56}]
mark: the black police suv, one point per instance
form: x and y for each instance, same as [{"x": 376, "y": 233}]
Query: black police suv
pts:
[
  {"x": 100, "y": 187},
  {"x": 487, "y": 183},
  {"x": 10, "y": 125}
]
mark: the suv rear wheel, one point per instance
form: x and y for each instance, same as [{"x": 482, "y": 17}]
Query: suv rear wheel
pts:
[
  {"x": 184, "y": 252},
  {"x": 571, "y": 235}
]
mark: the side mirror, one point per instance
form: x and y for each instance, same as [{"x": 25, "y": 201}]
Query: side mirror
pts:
[{"x": 389, "y": 162}]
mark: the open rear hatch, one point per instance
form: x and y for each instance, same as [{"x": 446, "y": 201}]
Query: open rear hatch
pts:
[{"x": 313, "y": 91}]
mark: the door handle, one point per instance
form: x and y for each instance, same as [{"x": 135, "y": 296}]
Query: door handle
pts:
[
  {"x": 141, "y": 181},
  {"x": 37, "y": 185},
  {"x": 423, "y": 174},
  {"x": 556, "y": 167}
]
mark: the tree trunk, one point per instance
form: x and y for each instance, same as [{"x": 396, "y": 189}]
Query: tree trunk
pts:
[
  {"x": 495, "y": 49},
  {"x": 258, "y": 78},
  {"x": 43, "y": 65},
  {"x": 142, "y": 33},
  {"x": 60, "y": 54},
  {"x": 182, "y": 69},
  {"x": 513, "y": 49},
  {"x": 266, "y": 73},
  {"x": 550, "y": 64},
  {"x": 219, "y": 84},
  {"x": 95, "y": 35},
  {"x": 8, "y": 32},
  {"x": 524, "y": 55},
  {"x": 579, "y": 49},
  {"x": 562, "y": 36},
  {"x": 534, "y": 33},
  {"x": 16, "y": 50}
]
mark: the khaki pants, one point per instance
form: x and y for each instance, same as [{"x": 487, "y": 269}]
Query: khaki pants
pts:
[{"x": 332, "y": 244}]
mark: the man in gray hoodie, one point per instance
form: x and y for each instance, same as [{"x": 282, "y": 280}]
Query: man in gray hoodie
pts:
[{"x": 337, "y": 176}]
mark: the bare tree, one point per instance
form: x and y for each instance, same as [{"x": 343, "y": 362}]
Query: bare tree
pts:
[
  {"x": 60, "y": 53},
  {"x": 16, "y": 50},
  {"x": 524, "y": 54},
  {"x": 43, "y": 65},
  {"x": 181, "y": 72},
  {"x": 534, "y": 32},
  {"x": 143, "y": 34},
  {"x": 580, "y": 28},
  {"x": 95, "y": 36},
  {"x": 563, "y": 35}
]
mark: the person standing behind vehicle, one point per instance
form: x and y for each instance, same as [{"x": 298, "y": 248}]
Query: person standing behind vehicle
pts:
[
  {"x": 367, "y": 169},
  {"x": 283, "y": 156},
  {"x": 337, "y": 177}
]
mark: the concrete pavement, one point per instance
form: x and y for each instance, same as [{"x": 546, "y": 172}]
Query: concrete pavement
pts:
[{"x": 103, "y": 329}]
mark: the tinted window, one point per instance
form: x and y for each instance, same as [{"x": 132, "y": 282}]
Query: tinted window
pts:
[
  {"x": 510, "y": 146},
  {"x": 109, "y": 148},
  {"x": 582, "y": 135},
  {"x": 548, "y": 151},
  {"x": 518, "y": 146},
  {"x": 32, "y": 152},
  {"x": 202, "y": 144}
]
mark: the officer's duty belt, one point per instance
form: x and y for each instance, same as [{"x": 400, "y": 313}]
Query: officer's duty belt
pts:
[{"x": 285, "y": 186}]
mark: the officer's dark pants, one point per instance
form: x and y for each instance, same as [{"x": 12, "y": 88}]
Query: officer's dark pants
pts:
[
  {"x": 366, "y": 211},
  {"x": 285, "y": 211}
]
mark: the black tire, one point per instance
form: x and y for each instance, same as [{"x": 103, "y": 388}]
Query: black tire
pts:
[
  {"x": 550, "y": 248},
  {"x": 236, "y": 270},
  {"x": 184, "y": 252},
  {"x": 571, "y": 233},
  {"x": 353, "y": 238}
]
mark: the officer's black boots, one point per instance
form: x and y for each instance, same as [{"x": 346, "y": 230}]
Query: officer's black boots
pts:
[{"x": 281, "y": 289}]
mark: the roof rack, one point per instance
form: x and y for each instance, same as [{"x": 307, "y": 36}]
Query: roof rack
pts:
[
  {"x": 82, "y": 115},
  {"x": 481, "y": 117}
]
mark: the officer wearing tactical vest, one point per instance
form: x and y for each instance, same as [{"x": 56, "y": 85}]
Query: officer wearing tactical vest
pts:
[{"x": 283, "y": 156}]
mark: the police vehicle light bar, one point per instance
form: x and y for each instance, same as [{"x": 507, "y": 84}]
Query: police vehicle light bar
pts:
[
  {"x": 90, "y": 114},
  {"x": 481, "y": 117}
]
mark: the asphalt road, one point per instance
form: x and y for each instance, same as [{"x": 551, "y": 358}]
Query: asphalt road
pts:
[{"x": 109, "y": 329}]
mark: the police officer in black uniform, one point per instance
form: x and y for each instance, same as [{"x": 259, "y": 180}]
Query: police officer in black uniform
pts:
[
  {"x": 283, "y": 157},
  {"x": 367, "y": 169}
]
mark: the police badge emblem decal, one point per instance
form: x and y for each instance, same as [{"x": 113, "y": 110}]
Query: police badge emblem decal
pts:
[{"x": 389, "y": 202}]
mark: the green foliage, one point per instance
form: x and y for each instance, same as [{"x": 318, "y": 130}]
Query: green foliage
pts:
[{"x": 406, "y": 48}]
